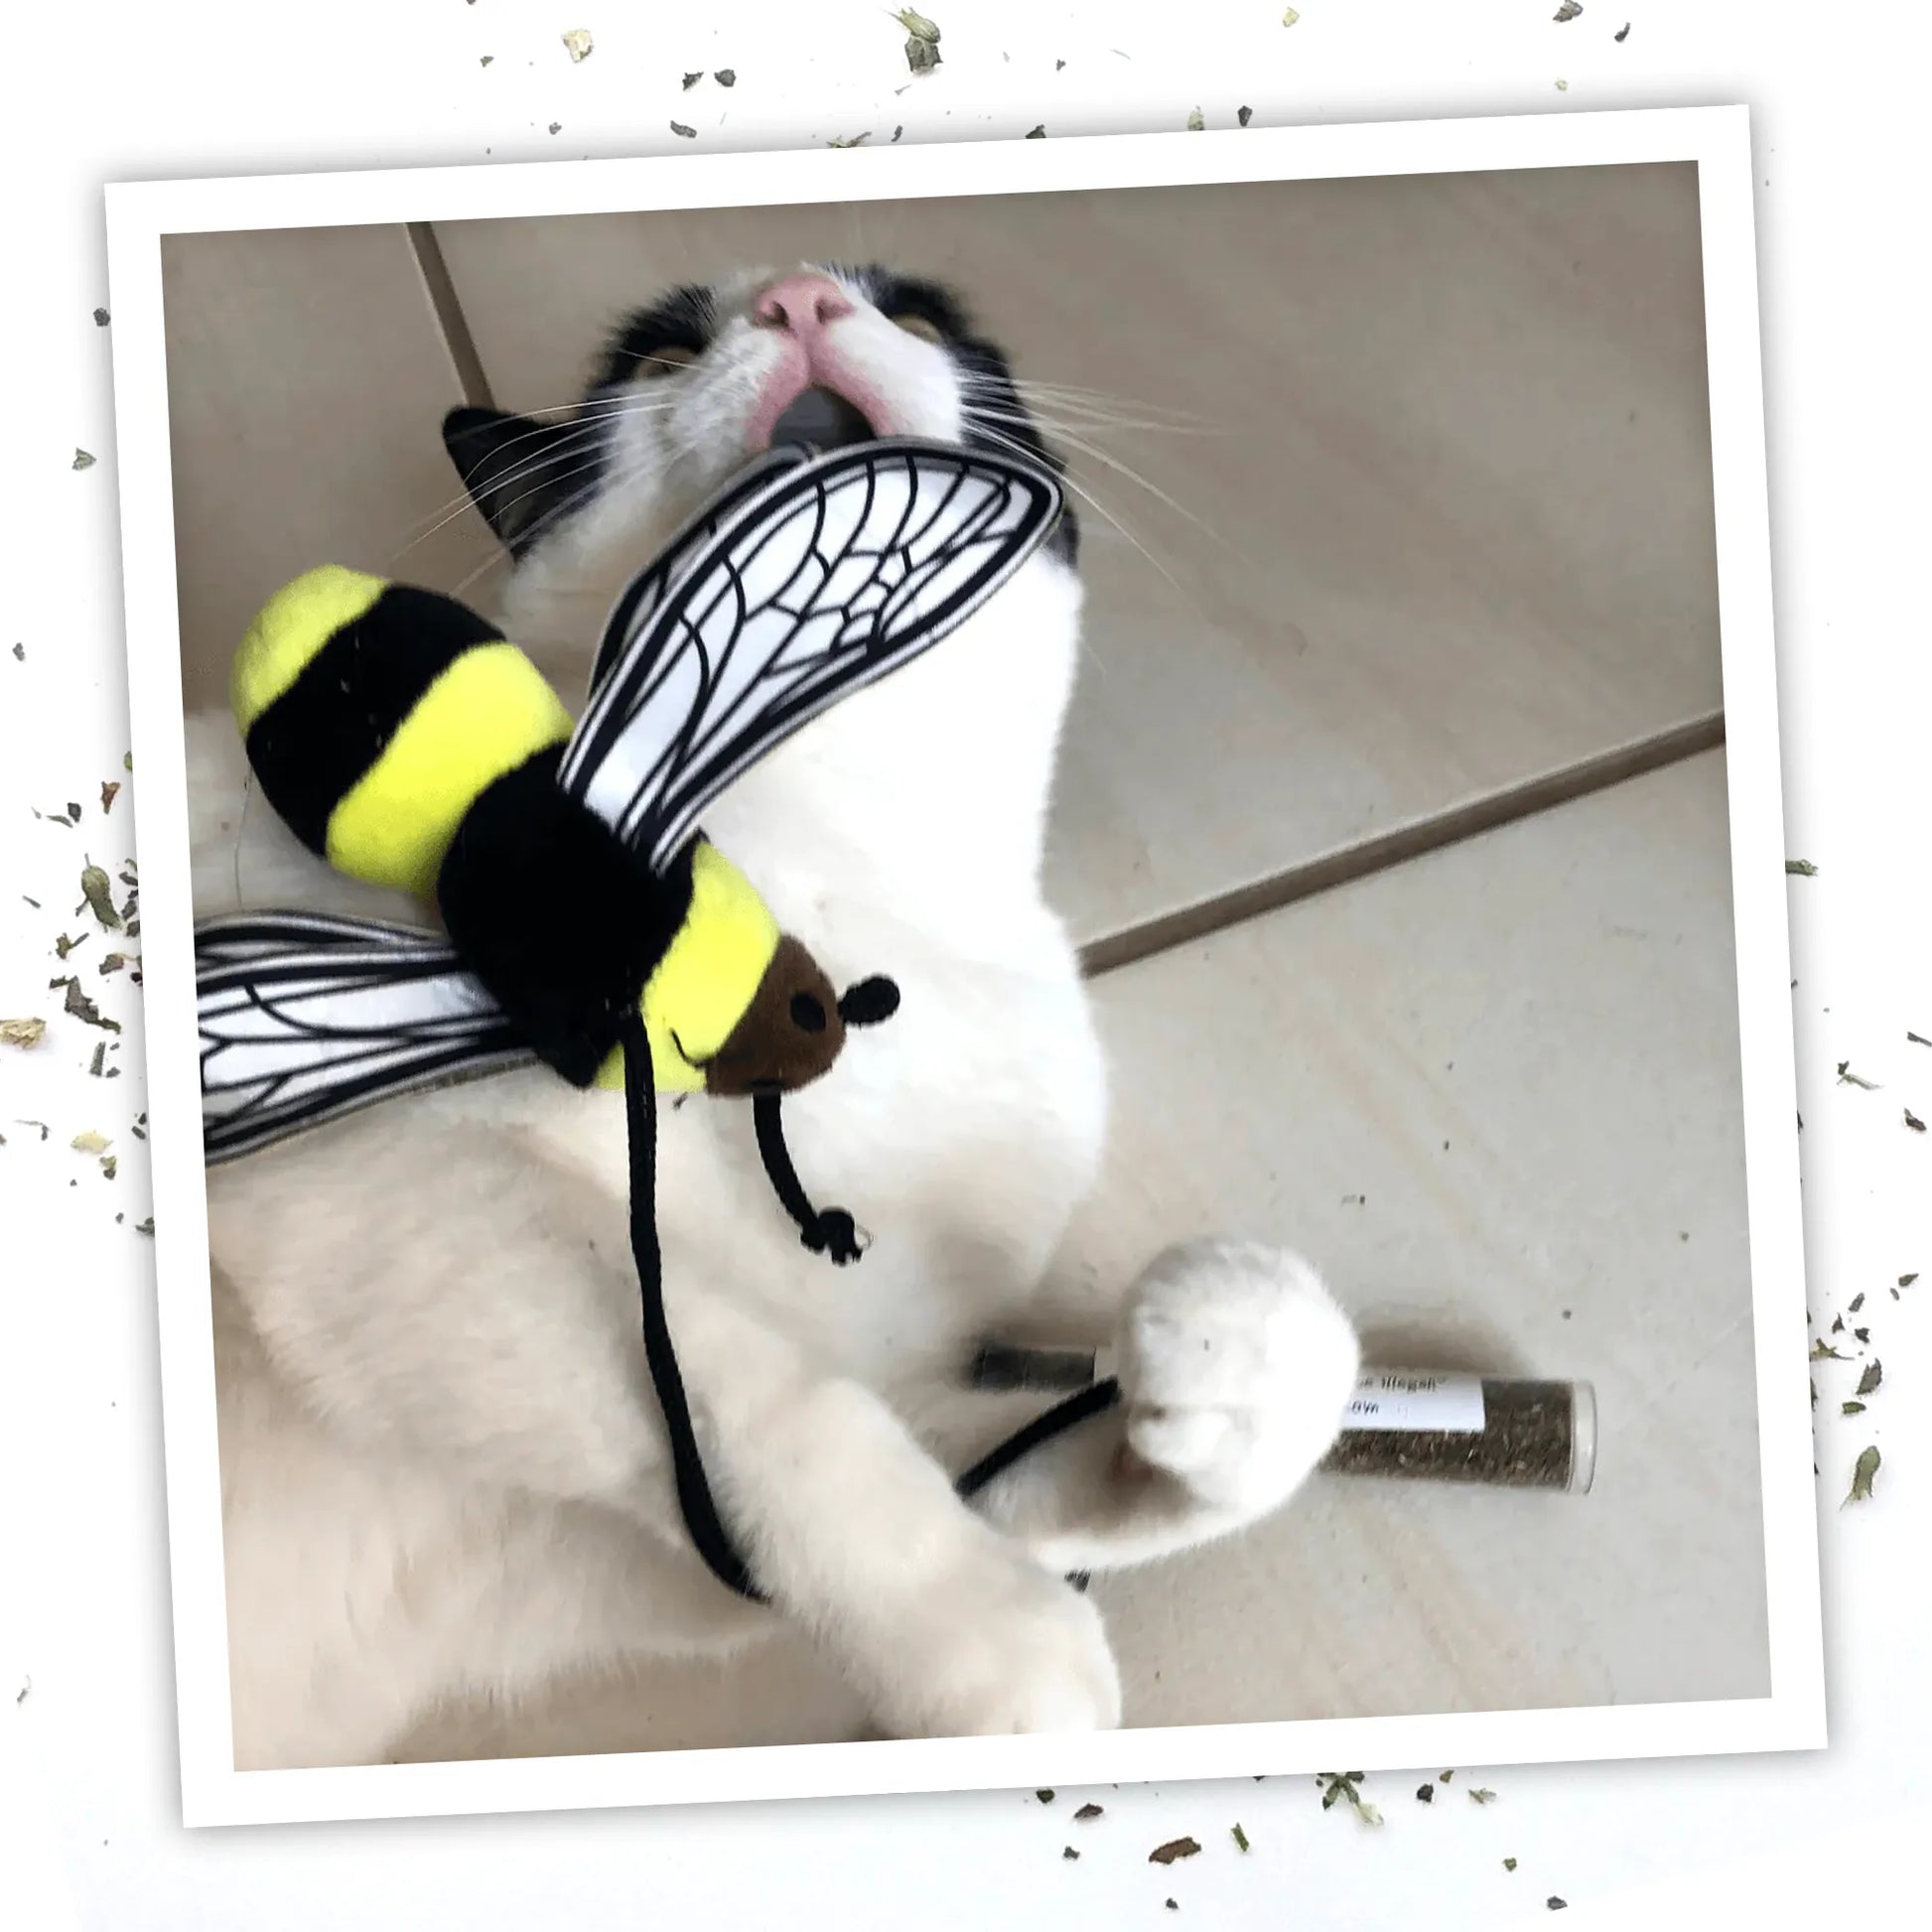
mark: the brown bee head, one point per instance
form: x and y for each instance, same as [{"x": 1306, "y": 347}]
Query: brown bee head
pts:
[{"x": 790, "y": 1034}]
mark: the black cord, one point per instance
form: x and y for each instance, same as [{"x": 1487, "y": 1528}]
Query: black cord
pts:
[
  {"x": 829, "y": 1231},
  {"x": 693, "y": 1490}
]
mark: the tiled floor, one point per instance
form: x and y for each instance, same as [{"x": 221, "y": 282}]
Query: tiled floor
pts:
[{"x": 1495, "y": 1093}]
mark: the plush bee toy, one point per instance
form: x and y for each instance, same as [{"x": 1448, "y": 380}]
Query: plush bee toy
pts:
[{"x": 589, "y": 924}]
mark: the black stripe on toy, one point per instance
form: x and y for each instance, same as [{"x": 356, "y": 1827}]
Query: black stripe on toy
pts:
[
  {"x": 555, "y": 915},
  {"x": 311, "y": 746}
]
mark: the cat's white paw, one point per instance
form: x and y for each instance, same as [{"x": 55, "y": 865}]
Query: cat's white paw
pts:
[
  {"x": 1010, "y": 1650},
  {"x": 1236, "y": 1365}
]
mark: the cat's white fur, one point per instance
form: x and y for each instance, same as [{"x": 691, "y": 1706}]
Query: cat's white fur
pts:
[{"x": 442, "y": 1461}]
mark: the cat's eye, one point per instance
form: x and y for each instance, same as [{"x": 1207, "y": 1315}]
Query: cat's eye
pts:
[
  {"x": 664, "y": 361},
  {"x": 919, "y": 325}
]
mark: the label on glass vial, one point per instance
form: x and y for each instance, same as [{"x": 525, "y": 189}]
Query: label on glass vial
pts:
[{"x": 1394, "y": 1399}]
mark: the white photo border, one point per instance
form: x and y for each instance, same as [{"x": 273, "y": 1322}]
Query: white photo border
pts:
[{"x": 1717, "y": 141}]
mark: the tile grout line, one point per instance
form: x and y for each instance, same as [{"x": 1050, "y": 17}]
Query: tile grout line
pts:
[
  {"x": 1367, "y": 857},
  {"x": 448, "y": 308}
]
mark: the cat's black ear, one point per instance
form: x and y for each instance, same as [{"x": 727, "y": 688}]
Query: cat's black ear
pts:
[{"x": 518, "y": 472}]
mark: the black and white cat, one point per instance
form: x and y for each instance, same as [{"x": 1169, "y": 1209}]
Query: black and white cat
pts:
[{"x": 443, "y": 1463}]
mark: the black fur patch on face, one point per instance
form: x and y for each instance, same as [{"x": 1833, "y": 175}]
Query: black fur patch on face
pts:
[{"x": 684, "y": 320}]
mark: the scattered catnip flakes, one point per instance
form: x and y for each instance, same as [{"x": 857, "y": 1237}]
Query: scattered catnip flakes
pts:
[
  {"x": 1425, "y": 1794},
  {"x": 41, "y": 1124},
  {"x": 145, "y": 1227},
  {"x": 1801, "y": 868},
  {"x": 88, "y": 1142},
  {"x": 849, "y": 140},
  {"x": 1176, "y": 1847},
  {"x": 109, "y": 790},
  {"x": 1036, "y": 133},
  {"x": 1196, "y": 122},
  {"x": 1917, "y": 1040},
  {"x": 113, "y": 962},
  {"x": 98, "y": 891},
  {"x": 110, "y": 1164},
  {"x": 1622, "y": 32},
  {"x": 22, "y": 1032},
  {"x": 692, "y": 79},
  {"x": 82, "y": 1008},
  {"x": 101, "y": 318},
  {"x": 1862, "y": 1472},
  {"x": 1821, "y": 1351},
  {"x": 1239, "y": 1836},
  {"x": 726, "y": 76},
  {"x": 1509, "y": 1864},
  {"x": 1290, "y": 17},
  {"x": 1086, "y": 1811},
  {"x": 1850, "y": 1408},
  {"x": 1557, "y": 1905},
  {"x": 1569, "y": 10},
  {"x": 682, "y": 132},
  {"x": 1044, "y": 1796},
  {"x": 556, "y": 127},
  {"x": 1067, "y": 1851},
  {"x": 1855, "y": 1304},
  {"x": 20, "y": 652},
  {"x": 1905, "y": 1281},
  {"x": 486, "y": 59},
  {"x": 1913, "y": 1122},
  {"x": 1244, "y": 115},
  {"x": 1874, "y": 1373},
  {"x": 83, "y": 460},
  {"x": 100, "y": 1059},
  {"x": 1482, "y": 1795},
  {"x": 578, "y": 42}
]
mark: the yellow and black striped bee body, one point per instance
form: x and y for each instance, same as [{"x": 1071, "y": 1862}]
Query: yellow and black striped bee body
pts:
[{"x": 406, "y": 742}]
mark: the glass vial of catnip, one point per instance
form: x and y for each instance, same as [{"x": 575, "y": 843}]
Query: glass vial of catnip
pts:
[{"x": 1509, "y": 1431}]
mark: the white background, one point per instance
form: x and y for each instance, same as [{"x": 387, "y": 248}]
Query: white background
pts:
[{"x": 98, "y": 92}]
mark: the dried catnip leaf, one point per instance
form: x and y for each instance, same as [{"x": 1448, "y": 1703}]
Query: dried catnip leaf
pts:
[
  {"x": 556, "y": 127},
  {"x": 1036, "y": 133},
  {"x": 98, "y": 891},
  {"x": 1067, "y": 1851},
  {"x": 1482, "y": 1795},
  {"x": 1850, "y": 1408},
  {"x": 486, "y": 59},
  {"x": 1557, "y": 1905},
  {"x": 1244, "y": 115},
  {"x": 1290, "y": 17},
  {"x": 1622, "y": 32},
  {"x": 726, "y": 76},
  {"x": 109, "y": 788},
  {"x": 921, "y": 55},
  {"x": 577, "y": 41},
  {"x": 22, "y": 1032},
  {"x": 1862, "y": 1470},
  {"x": 145, "y": 1227},
  {"x": 1913, "y": 1122},
  {"x": 112, "y": 963},
  {"x": 1569, "y": 10},
  {"x": 101, "y": 318},
  {"x": 1874, "y": 1373},
  {"x": 1821, "y": 1352},
  {"x": 41, "y": 1124},
  {"x": 110, "y": 1166},
  {"x": 918, "y": 26},
  {"x": 682, "y": 132},
  {"x": 1088, "y": 1811},
  {"x": 83, "y": 1008},
  {"x": 1801, "y": 868},
  {"x": 1240, "y": 1838},
  {"x": 1195, "y": 124},
  {"x": 1917, "y": 1040},
  {"x": 1847, "y": 1078},
  {"x": 1425, "y": 1794},
  {"x": 88, "y": 1142},
  {"x": 83, "y": 461},
  {"x": 1176, "y": 1847},
  {"x": 1855, "y": 1304},
  {"x": 1862, "y": 1334},
  {"x": 100, "y": 1059},
  {"x": 849, "y": 140},
  {"x": 1044, "y": 1796},
  {"x": 20, "y": 652},
  {"x": 1905, "y": 1281},
  {"x": 1509, "y": 1864},
  {"x": 692, "y": 79}
]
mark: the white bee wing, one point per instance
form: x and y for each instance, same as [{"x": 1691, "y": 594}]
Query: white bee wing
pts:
[
  {"x": 305, "y": 1018},
  {"x": 838, "y": 570}
]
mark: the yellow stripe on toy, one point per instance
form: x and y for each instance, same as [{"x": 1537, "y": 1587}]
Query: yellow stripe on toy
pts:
[
  {"x": 484, "y": 715},
  {"x": 706, "y": 981},
  {"x": 290, "y": 629}
]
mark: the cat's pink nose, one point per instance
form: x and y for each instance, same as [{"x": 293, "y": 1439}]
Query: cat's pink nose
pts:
[{"x": 801, "y": 304}]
